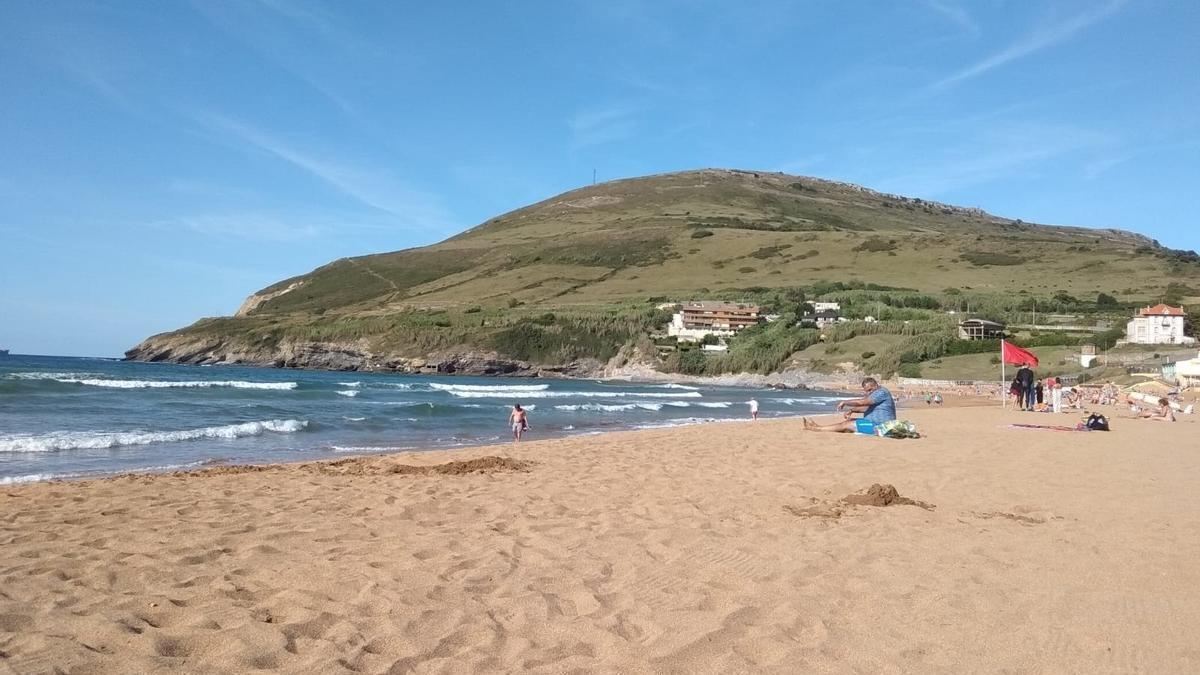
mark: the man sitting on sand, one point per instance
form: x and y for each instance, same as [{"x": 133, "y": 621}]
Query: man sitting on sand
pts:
[
  {"x": 1163, "y": 413},
  {"x": 877, "y": 407}
]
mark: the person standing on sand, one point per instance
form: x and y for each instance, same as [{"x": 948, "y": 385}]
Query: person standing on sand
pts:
[
  {"x": 753, "y": 409},
  {"x": 519, "y": 420},
  {"x": 877, "y": 407},
  {"x": 1055, "y": 389},
  {"x": 1025, "y": 379}
]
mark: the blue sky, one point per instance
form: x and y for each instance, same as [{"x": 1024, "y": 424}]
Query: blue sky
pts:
[{"x": 161, "y": 161}]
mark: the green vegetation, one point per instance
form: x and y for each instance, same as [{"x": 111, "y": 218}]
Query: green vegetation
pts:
[
  {"x": 568, "y": 278},
  {"x": 983, "y": 258}
]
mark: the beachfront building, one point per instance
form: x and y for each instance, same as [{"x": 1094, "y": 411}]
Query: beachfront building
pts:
[
  {"x": 698, "y": 319},
  {"x": 827, "y": 306},
  {"x": 980, "y": 329},
  {"x": 1158, "y": 325}
]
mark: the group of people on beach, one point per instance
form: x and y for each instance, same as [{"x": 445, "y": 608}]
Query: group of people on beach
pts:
[{"x": 877, "y": 406}]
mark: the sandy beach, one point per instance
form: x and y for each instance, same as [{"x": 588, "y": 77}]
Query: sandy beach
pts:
[{"x": 714, "y": 548}]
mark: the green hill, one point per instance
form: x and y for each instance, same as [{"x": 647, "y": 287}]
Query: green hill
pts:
[{"x": 570, "y": 280}]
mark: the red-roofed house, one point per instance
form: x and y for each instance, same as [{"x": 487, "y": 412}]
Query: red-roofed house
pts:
[{"x": 1158, "y": 325}]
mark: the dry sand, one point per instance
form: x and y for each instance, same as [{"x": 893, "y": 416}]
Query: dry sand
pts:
[{"x": 717, "y": 548}]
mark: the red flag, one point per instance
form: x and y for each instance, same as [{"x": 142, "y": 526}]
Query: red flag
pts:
[{"x": 1013, "y": 354}]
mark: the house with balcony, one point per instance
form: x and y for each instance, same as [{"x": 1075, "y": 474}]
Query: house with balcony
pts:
[
  {"x": 697, "y": 319},
  {"x": 1158, "y": 325}
]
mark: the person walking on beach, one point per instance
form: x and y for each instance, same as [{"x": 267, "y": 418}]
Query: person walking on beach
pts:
[
  {"x": 877, "y": 407},
  {"x": 753, "y": 409},
  {"x": 519, "y": 420},
  {"x": 1025, "y": 379}
]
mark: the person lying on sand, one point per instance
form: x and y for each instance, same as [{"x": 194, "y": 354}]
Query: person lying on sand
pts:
[
  {"x": 1163, "y": 413},
  {"x": 877, "y": 407}
]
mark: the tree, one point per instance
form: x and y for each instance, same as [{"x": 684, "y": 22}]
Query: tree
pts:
[{"x": 1106, "y": 301}]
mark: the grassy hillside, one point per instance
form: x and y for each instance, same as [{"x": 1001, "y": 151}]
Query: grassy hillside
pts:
[{"x": 597, "y": 258}]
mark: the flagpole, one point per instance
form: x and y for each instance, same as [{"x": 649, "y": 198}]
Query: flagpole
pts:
[{"x": 1003, "y": 379}]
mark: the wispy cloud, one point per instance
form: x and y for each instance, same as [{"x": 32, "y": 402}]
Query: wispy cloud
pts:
[
  {"x": 969, "y": 157},
  {"x": 800, "y": 164},
  {"x": 602, "y": 125},
  {"x": 1048, "y": 34},
  {"x": 248, "y": 226},
  {"x": 373, "y": 186},
  {"x": 956, "y": 13}
]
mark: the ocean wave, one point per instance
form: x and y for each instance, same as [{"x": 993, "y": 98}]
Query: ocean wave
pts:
[
  {"x": 349, "y": 392},
  {"x": 488, "y": 387},
  {"x": 682, "y": 422},
  {"x": 98, "y": 440},
  {"x": 673, "y": 385},
  {"x": 34, "y": 478},
  {"x": 603, "y": 407},
  {"x": 349, "y": 384},
  {"x": 572, "y": 394},
  {"x": 354, "y": 419},
  {"x": 171, "y": 384},
  {"x": 44, "y": 376}
]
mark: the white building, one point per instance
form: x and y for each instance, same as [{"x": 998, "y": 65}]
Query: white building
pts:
[
  {"x": 1158, "y": 325},
  {"x": 827, "y": 306},
  {"x": 1187, "y": 373}
]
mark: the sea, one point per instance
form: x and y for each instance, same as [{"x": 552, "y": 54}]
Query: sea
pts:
[{"x": 74, "y": 418}]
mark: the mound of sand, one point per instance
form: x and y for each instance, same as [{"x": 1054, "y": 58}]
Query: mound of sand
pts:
[{"x": 883, "y": 495}]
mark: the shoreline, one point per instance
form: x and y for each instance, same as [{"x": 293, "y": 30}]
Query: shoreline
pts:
[
  {"x": 650, "y": 550},
  {"x": 903, "y": 402}
]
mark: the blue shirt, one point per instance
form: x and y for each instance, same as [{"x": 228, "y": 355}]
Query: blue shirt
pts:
[{"x": 883, "y": 406}]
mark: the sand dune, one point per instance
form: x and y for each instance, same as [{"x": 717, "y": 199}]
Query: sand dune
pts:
[{"x": 722, "y": 548}]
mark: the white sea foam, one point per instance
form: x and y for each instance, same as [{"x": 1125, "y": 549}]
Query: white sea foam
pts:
[
  {"x": 488, "y": 387},
  {"x": 171, "y": 384},
  {"x": 602, "y": 407},
  {"x": 44, "y": 376},
  {"x": 31, "y": 478},
  {"x": 91, "y": 440},
  {"x": 349, "y": 392},
  {"x": 572, "y": 394},
  {"x": 349, "y": 384},
  {"x": 683, "y": 422},
  {"x": 354, "y": 419},
  {"x": 673, "y": 385}
]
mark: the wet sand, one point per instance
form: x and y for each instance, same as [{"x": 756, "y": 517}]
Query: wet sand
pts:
[{"x": 737, "y": 547}]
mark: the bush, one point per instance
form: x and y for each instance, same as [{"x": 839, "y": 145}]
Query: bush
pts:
[
  {"x": 1106, "y": 301},
  {"x": 867, "y": 355},
  {"x": 513, "y": 302},
  {"x": 909, "y": 370},
  {"x": 985, "y": 258},
  {"x": 875, "y": 245},
  {"x": 473, "y": 310},
  {"x": 700, "y": 234},
  {"x": 746, "y": 270}
]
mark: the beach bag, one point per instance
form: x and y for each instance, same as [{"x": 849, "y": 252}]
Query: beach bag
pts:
[
  {"x": 1096, "y": 422},
  {"x": 898, "y": 429}
]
